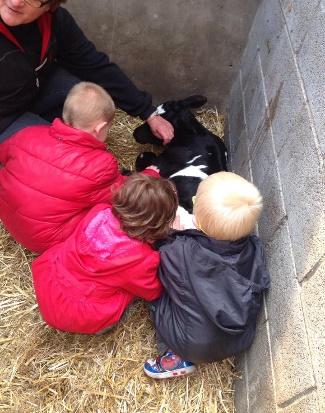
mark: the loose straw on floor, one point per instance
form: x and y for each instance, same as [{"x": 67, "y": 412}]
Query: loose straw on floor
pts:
[{"x": 43, "y": 370}]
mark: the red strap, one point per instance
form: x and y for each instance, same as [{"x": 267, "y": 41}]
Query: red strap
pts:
[
  {"x": 4, "y": 30},
  {"x": 45, "y": 27}
]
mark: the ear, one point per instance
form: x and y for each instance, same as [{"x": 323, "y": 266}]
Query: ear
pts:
[
  {"x": 144, "y": 159},
  {"x": 143, "y": 134},
  {"x": 99, "y": 127},
  {"x": 193, "y": 102}
]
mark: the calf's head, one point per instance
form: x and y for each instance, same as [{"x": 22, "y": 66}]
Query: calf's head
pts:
[
  {"x": 178, "y": 113},
  {"x": 194, "y": 153}
]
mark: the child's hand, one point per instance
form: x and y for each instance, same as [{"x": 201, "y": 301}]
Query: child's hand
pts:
[
  {"x": 153, "y": 168},
  {"x": 177, "y": 224},
  {"x": 183, "y": 220}
]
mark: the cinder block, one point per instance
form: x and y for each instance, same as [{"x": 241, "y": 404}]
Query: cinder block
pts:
[
  {"x": 302, "y": 179},
  {"x": 256, "y": 150},
  {"x": 269, "y": 24},
  {"x": 266, "y": 178},
  {"x": 249, "y": 56},
  {"x": 240, "y": 156},
  {"x": 288, "y": 113},
  {"x": 298, "y": 16},
  {"x": 289, "y": 344},
  {"x": 308, "y": 404},
  {"x": 311, "y": 61},
  {"x": 256, "y": 116},
  {"x": 241, "y": 386},
  {"x": 284, "y": 94},
  {"x": 236, "y": 114},
  {"x": 260, "y": 381},
  {"x": 313, "y": 299},
  {"x": 263, "y": 128},
  {"x": 251, "y": 86},
  {"x": 245, "y": 171}
]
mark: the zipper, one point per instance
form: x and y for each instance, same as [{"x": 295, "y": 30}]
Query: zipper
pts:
[
  {"x": 37, "y": 69},
  {"x": 41, "y": 65}
]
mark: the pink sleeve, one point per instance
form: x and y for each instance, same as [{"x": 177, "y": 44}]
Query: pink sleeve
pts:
[
  {"x": 151, "y": 172},
  {"x": 4, "y": 148}
]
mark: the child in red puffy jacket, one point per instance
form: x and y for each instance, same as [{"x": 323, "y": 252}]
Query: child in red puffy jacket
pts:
[
  {"x": 52, "y": 175},
  {"x": 84, "y": 284}
]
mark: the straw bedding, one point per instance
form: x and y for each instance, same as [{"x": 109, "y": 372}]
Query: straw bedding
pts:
[{"x": 43, "y": 370}]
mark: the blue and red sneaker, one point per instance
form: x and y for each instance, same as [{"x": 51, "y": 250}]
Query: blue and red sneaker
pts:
[{"x": 168, "y": 365}]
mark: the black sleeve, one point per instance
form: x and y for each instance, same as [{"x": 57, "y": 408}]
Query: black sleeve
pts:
[
  {"x": 80, "y": 57},
  {"x": 17, "y": 84}
]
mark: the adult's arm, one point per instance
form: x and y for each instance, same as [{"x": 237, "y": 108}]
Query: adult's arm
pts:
[
  {"x": 79, "y": 56},
  {"x": 17, "y": 83}
]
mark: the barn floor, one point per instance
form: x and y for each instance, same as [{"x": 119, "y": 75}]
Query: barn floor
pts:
[{"x": 43, "y": 370}]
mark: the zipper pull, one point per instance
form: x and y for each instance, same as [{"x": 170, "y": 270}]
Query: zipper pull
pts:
[{"x": 37, "y": 82}]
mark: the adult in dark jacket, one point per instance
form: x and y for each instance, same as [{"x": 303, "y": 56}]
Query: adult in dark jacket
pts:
[
  {"x": 43, "y": 53},
  {"x": 213, "y": 276}
]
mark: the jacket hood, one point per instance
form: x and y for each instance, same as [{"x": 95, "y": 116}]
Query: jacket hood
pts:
[{"x": 227, "y": 278}]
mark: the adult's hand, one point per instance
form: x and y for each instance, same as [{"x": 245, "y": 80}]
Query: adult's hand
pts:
[{"x": 161, "y": 128}]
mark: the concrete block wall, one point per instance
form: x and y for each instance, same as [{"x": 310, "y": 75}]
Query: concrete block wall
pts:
[{"x": 276, "y": 136}]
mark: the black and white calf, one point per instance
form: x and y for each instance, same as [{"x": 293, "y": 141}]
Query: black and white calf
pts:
[{"x": 191, "y": 156}]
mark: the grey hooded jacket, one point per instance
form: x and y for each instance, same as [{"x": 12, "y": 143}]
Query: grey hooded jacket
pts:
[{"x": 213, "y": 293}]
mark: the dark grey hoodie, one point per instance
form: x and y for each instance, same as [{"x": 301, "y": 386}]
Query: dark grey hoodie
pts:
[{"x": 213, "y": 293}]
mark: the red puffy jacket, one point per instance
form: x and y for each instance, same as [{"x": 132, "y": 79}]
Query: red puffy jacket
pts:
[
  {"x": 85, "y": 283},
  {"x": 51, "y": 177}
]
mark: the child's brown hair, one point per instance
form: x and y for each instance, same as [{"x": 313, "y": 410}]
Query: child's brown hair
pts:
[{"x": 146, "y": 207}]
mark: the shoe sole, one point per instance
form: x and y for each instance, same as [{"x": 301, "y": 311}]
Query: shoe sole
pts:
[{"x": 170, "y": 374}]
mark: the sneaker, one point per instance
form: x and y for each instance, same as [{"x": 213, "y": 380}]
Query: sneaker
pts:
[{"x": 168, "y": 365}]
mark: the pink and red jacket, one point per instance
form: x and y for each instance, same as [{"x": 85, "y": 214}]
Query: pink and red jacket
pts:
[{"x": 84, "y": 284}]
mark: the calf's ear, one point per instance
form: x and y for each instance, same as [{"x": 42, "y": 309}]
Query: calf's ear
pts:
[
  {"x": 143, "y": 160},
  {"x": 192, "y": 102},
  {"x": 143, "y": 134}
]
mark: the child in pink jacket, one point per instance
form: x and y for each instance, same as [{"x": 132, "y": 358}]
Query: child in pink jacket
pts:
[{"x": 84, "y": 284}]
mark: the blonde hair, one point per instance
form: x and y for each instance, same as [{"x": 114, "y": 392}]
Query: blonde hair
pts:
[
  {"x": 227, "y": 206},
  {"x": 87, "y": 103}
]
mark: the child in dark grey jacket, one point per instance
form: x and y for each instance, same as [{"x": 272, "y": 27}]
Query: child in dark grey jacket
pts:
[{"x": 214, "y": 277}]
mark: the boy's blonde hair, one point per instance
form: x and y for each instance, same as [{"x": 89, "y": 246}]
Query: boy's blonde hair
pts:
[
  {"x": 86, "y": 104},
  {"x": 227, "y": 206}
]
